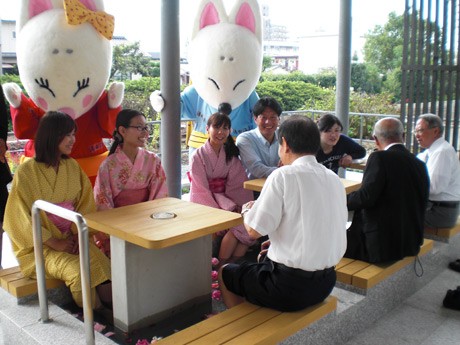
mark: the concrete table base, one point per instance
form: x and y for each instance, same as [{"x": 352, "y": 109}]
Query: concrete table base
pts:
[{"x": 152, "y": 284}]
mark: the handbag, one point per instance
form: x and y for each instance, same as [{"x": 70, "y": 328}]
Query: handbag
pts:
[{"x": 5, "y": 173}]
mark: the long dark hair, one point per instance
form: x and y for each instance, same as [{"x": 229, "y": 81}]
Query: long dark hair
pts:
[
  {"x": 52, "y": 129},
  {"x": 3, "y": 117},
  {"x": 123, "y": 119},
  {"x": 327, "y": 121},
  {"x": 220, "y": 119}
]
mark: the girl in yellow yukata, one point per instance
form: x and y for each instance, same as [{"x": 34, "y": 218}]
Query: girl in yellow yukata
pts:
[{"x": 55, "y": 177}]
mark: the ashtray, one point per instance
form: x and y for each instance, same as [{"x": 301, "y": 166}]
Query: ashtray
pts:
[{"x": 163, "y": 215}]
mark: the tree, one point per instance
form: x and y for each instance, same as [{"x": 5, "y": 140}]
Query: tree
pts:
[
  {"x": 128, "y": 60},
  {"x": 365, "y": 78},
  {"x": 266, "y": 62},
  {"x": 383, "y": 46}
]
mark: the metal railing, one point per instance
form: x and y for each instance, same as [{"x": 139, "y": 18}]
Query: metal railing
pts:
[
  {"x": 84, "y": 262},
  {"x": 315, "y": 114}
]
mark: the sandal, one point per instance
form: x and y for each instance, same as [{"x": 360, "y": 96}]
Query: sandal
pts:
[
  {"x": 452, "y": 299},
  {"x": 455, "y": 265}
]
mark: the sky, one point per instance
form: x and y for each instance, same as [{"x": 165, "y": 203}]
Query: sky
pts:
[{"x": 139, "y": 20}]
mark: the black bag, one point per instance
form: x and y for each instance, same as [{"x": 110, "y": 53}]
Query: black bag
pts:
[{"x": 5, "y": 173}]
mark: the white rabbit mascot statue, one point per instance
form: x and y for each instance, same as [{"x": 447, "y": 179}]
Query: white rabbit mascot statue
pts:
[
  {"x": 64, "y": 60},
  {"x": 225, "y": 56}
]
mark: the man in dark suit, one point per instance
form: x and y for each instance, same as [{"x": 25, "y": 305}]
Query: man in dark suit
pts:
[{"x": 389, "y": 207}]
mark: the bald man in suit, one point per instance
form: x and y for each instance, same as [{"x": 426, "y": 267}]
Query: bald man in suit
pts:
[{"x": 389, "y": 207}]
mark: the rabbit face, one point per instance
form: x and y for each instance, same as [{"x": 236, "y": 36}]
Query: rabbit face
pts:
[
  {"x": 62, "y": 67},
  {"x": 226, "y": 52},
  {"x": 225, "y": 64}
]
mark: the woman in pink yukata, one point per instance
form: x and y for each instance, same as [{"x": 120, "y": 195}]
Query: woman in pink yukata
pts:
[
  {"x": 217, "y": 177},
  {"x": 130, "y": 174}
]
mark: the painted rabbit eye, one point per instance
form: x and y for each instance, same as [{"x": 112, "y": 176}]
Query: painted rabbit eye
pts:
[
  {"x": 55, "y": 51},
  {"x": 215, "y": 83},
  {"x": 44, "y": 83},
  {"x": 238, "y": 83},
  {"x": 83, "y": 84},
  {"x": 231, "y": 58},
  {"x": 222, "y": 58},
  {"x": 69, "y": 51}
]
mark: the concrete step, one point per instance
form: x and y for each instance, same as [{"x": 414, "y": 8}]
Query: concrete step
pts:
[{"x": 355, "y": 312}]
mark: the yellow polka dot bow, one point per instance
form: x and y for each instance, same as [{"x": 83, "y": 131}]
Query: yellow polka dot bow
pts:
[{"x": 77, "y": 13}]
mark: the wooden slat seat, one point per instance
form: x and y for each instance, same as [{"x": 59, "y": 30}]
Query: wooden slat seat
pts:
[
  {"x": 443, "y": 233},
  {"x": 13, "y": 281},
  {"x": 364, "y": 275},
  {"x": 251, "y": 324}
]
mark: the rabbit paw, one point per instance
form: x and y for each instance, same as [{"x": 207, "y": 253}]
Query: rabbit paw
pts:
[
  {"x": 115, "y": 94},
  {"x": 13, "y": 94},
  {"x": 157, "y": 101}
]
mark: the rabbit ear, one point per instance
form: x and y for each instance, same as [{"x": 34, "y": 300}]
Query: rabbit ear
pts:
[
  {"x": 89, "y": 4},
  {"x": 30, "y": 9},
  {"x": 246, "y": 13},
  {"x": 93, "y": 5},
  {"x": 210, "y": 12}
]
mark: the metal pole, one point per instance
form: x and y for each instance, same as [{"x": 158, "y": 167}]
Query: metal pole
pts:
[
  {"x": 84, "y": 262},
  {"x": 342, "y": 102},
  {"x": 39, "y": 264},
  {"x": 1, "y": 46},
  {"x": 170, "y": 140}
]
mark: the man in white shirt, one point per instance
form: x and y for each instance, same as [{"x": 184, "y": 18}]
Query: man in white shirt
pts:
[
  {"x": 259, "y": 147},
  {"x": 444, "y": 170},
  {"x": 302, "y": 208}
]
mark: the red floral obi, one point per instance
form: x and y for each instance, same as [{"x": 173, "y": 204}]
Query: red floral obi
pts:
[
  {"x": 61, "y": 223},
  {"x": 131, "y": 197},
  {"x": 217, "y": 185}
]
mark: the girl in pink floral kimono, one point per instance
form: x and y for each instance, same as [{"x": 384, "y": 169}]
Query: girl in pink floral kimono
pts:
[
  {"x": 130, "y": 174},
  {"x": 217, "y": 177}
]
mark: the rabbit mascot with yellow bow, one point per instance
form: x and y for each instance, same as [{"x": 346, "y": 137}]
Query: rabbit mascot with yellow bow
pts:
[
  {"x": 64, "y": 60},
  {"x": 225, "y": 56}
]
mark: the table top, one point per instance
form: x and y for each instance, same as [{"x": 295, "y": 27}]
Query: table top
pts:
[
  {"x": 257, "y": 184},
  {"x": 134, "y": 223},
  {"x": 358, "y": 166}
]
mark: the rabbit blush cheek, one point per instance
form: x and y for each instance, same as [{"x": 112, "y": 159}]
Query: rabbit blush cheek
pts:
[
  {"x": 43, "y": 104},
  {"x": 87, "y": 100}
]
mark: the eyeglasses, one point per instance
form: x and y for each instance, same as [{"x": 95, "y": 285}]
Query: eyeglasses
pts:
[
  {"x": 269, "y": 118},
  {"x": 142, "y": 128},
  {"x": 421, "y": 130}
]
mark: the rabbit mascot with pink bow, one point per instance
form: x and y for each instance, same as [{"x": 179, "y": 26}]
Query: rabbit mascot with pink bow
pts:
[
  {"x": 225, "y": 56},
  {"x": 64, "y": 60}
]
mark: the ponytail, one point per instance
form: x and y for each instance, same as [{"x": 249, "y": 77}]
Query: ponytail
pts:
[
  {"x": 231, "y": 150},
  {"x": 117, "y": 140}
]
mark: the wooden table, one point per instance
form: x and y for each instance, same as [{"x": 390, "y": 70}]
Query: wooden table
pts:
[
  {"x": 150, "y": 285},
  {"x": 358, "y": 166},
  {"x": 257, "y": 184}
]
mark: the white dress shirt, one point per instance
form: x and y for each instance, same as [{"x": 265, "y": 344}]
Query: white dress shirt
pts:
[
  {"x": 259, "y": 157},
  {"x": 302, "y": 208},
  {"x": 444, "y": 171}
]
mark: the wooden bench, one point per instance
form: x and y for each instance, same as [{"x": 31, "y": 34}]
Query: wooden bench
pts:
[
  {"x": 364, "y": 275},
  {"x": 443, "y": 234},
  {"x": 250, "y": 324},
  {"x": 13, "y": 281}
]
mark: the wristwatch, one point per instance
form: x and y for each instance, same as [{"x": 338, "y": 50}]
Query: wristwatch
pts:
[{"x": 244, "y": 211}]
